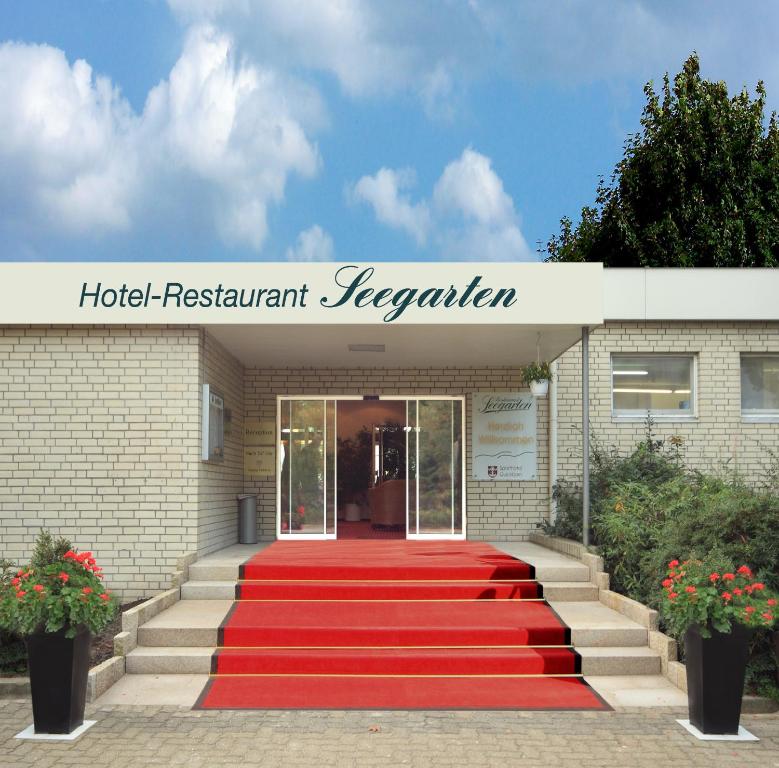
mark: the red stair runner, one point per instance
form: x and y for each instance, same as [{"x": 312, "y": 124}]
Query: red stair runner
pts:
[{"x": 392, "y": 625}]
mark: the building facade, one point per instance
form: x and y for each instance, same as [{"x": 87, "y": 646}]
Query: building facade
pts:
[{"x": 102, "y": 425}]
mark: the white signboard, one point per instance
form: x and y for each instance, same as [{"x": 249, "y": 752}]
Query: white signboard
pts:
[{"x": 503, "y": 436}]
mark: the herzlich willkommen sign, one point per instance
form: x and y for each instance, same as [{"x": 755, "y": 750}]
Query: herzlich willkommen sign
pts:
[{"x": 503, "y": 436}]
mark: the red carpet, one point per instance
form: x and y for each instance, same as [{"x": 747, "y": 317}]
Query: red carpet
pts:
[{"x": 392, "y": 625}]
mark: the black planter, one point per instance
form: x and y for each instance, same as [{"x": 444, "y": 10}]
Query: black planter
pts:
[
  {"x": 715, "y": 678},
  {"x": 59, "y": 667}
]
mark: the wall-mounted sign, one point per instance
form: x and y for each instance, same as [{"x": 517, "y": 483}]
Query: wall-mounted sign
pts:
[
  {"x": 212, "y": 429},
  {"x": 259, "y": 452},
  {"x": 259, "y": 461},
  {"x": 503, "y": 436},
  {"x": 259, "y": 432}
]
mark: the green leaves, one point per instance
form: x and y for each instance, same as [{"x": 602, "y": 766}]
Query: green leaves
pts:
[
  {"x": 697, "y": 187},
  {"x": 60, "y": 589}
]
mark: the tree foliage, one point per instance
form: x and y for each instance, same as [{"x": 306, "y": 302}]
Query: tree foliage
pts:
[{"x": 698, "y": 186}]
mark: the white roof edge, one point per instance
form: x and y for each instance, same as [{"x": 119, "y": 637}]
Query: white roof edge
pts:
[{"x": 691, "y": 294}]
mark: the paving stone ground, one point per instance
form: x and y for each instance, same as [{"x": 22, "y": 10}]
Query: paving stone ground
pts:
[{"x": 139, "y": 737}]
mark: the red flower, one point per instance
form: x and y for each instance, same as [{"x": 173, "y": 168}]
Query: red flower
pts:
[
  {"x": 63, "y": 577},
  {"x": 21, "y": 593},
  {"x": 728, "y": 577},
  {"x": 104, "y": 596},
  {"x": 749, "y": 609},
  {"x": 744, "y": 570},
  {"x": 15, "y": 582},
  {"x": 673, "y": 595},
  {"x": 673, "y": 563},
  {"x": 758, "y": 585},
  {"x": 727, "y": 597},
  {"x": 748, "y": 589},
  {"x": 690, "y": 590},
  {"x": 771, "y": 601},
  {"x": 768, "y": 616},
  {"x": 737, "y": 591},
  {"x": 668, "y": 583},
  {"x": 713, "y": 577},
  {"x": 38, "y": 588},
  {"x": 87, "y": 590}
]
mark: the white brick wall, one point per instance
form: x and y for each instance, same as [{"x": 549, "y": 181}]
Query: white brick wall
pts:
[
  {"x": 100, "y": 433},
  {"x": 718, "y": 439},
  {"x": 220, "y": 482},
  {"x": 495, "y": 510},
  {"x": 99, "y": 441}
]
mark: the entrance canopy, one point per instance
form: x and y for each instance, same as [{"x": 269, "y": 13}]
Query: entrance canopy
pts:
[
  {"x": 328, "y": 314},
  {"x": 393, "y": 346}
]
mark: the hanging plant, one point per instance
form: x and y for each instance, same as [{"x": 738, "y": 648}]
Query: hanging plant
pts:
[{"x": 537, "y": 377}]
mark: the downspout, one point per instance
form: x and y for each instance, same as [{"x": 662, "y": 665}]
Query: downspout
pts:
[
  {"x": 553, "y": 442},
  {"x": 586, "y": 436}
]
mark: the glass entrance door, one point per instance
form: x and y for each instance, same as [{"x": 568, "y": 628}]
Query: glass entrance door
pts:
[
  {"x": 307, "y": 475},
  {"x": 306, "y": 485},
  {"x": 436, "y": 480}
]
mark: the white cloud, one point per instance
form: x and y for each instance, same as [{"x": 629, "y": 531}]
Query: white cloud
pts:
[
  {"x": 472, "y": 216},
  {"x": 377, "y": 47},
  {"x": 384, "y": 191},
  {"x": 371, "y": 48},
  {"x": 312, "y": 244},
  {"x": 64, "y": 144},
  {"x": 470, "y": 187},
  {"x": 213, "y": 147}
]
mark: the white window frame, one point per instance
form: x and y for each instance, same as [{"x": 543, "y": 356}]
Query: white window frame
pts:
[
  {"x": 756, "y": 415},
  {"x": 640, "y": 415}
]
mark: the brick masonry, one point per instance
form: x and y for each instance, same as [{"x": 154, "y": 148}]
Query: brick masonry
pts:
[
  {"x": 505, "y": 510},
  {"x": 717, "y": 439},
  {"x": 100, "y": 433},
  {"x": 99, "y": 441}
]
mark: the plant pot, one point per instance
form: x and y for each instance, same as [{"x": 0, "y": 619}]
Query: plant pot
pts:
[
  {"x": 716, "y": 667},
  {"x": 59, "y": 667},
  {"x": 776, "y": 653},
  {"x": 539, "y": 388}
]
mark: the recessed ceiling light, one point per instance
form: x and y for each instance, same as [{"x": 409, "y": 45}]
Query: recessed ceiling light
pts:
[
  {"x": 367, "y": 348},
  {"x": 631, "y": 373}
]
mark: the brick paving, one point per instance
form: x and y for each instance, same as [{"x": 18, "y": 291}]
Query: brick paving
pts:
[{"x": 137, "y": 737}]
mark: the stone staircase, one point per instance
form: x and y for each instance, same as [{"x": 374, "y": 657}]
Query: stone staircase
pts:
[{"x": 181, "y": 639}]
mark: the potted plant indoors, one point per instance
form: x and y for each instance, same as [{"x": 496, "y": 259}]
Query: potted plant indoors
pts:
[
  {"x": 56, "y": 603},
  {"x": 715, "y": 607},
  {"x": 537, "y": 376}
]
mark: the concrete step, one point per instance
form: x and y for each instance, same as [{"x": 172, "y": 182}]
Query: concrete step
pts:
[
  {"x": 208, "y": 590},
  {"x": 166, "y": 660},
  {"x": 577, "y": 591},
  {"x": 550, "y": 565},
  {"x": 638, "y": 660},
  {"x": 188, "y": 623},
  {"x": 196, "y": 660},
  {"x": 594, "y": 625},
  {"x": 191, "y": 623},
  {"x": 206, "y": 570}
]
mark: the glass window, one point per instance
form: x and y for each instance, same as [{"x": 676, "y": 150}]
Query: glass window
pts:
[
  {"x": 661, "y": 385},
  {"x": 760, "y": 385}
]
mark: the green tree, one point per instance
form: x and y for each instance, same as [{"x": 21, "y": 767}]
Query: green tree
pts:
[{"x": 698, "y": 186}]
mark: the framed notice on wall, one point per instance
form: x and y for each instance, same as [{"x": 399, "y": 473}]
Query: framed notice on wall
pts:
[
  {"x": 259, "y": 450},
  {"x": 503, "y": 436}
]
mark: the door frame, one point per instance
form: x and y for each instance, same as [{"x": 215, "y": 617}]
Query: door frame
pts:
[{"x": 403, "y": 397}]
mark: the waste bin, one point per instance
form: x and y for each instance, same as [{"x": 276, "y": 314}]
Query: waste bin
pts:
[{"x": 247, "y": 519}]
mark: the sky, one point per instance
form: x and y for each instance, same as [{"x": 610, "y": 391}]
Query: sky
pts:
[{"x": 348, "y": 130}]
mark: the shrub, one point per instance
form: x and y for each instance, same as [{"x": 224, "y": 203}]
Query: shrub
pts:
[{"x": 647, "y": 508}]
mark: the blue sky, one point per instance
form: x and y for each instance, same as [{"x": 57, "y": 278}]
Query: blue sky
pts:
[{"x": 332, "y": 129}]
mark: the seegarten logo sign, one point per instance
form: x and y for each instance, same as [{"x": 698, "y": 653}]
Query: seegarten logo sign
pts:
[{"x": 353, "y": 286}]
